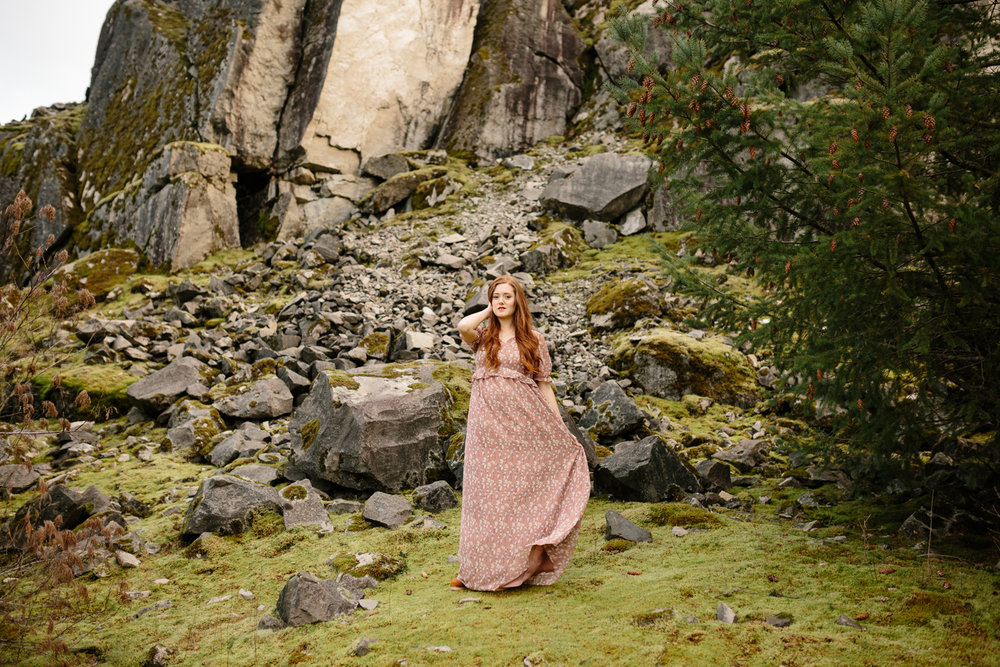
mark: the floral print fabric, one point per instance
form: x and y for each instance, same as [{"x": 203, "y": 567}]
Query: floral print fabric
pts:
[{"x": 525, "y": 481}]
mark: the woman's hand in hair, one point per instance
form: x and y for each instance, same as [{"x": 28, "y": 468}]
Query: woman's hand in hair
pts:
[{"x": 468, "y": 324}]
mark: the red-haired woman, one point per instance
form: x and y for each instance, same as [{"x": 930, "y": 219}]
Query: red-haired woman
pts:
[{"x": 525, "y": 482}]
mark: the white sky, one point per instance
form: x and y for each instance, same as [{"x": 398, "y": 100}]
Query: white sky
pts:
[{"x": 46, "y": 51}]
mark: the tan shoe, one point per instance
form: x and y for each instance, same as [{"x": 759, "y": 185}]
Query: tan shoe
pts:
[{"x": 457, "y": 585}]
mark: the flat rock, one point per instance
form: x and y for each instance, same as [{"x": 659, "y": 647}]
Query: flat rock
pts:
[
  {"x": 725, "y": 614},
  {"x": 618, "y": 527},
  {"x": 387, "y": 510},
  {"x": 246, "y": 441},
  {"x": 158, "y": 390},
  {"x": 715, "y": 474},
  {"x": 17, "y": 478},
  {"x": 266, "y": 398},
  {"x": 779, "y": 620},
  {"x": 255, "y": 472},
  {"x": 746, "y": 455},
  {"x": 604, "y": 188}
]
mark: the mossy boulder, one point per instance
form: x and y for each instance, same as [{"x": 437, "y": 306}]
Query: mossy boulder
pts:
[
  {"x": 99, "y": 272},
  {"x": 621, "y": 303},
  {"x": 106, "y": 386},
  {"x": 228, "y": 505},
  {"x": 194, "y": 428},
  {"x": 670, "y": 364}
]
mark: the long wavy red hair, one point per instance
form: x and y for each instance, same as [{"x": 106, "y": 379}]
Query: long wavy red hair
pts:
[{"x": 527, "y": 342}]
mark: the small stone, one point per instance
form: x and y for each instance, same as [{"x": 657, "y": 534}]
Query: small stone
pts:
[
  {"x": 779, "y": 620},
  {"x": 464, "y": 600},
  {"x": 678, "y": 531},
  {"x": 220, "y": 598},
  {"x": 618, "y": 527},
  {"x": 138, "y": 595},
  {"x": 270, "y": 623},
  {"x": 158, "y": 656},
  {"x": 725, "y": 614},
  {"x": 161, "y": 582},
  {"x": 126, "y": 559},
  {"x": 363, "y": 647},
  {"x": 849, "y": 622},
  {"x": 439, "y": 649},
  {"x": 245, "y": 594},
  {"x": 367, "y": 605}
]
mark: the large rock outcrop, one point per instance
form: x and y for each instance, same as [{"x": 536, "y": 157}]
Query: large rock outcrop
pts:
[
  {"x": 38, "y": 155},
  {"x": 378, "y": 429},
  {"x": 390, "y": 81},
  {"x": 524, "y": 80},
  {"x": 183, "y": 209}
]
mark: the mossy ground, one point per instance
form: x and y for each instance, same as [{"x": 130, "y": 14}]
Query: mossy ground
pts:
[{"x": 597, "y": 614}]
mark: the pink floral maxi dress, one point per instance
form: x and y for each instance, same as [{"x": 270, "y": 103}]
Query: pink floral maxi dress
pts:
[{"x": 525, "y": 480}]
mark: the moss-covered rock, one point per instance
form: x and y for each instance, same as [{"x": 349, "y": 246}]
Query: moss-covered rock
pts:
[
  {"x": 106, "y": 386},
  {"x": 379, "y": 566},
  {"x": 99, "y": 272},
  {"x": 670, "y": 364},
  {"x": 621, "y": 303}
]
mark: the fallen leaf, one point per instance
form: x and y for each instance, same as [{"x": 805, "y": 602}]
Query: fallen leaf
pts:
[
  {"x": 940, "y": 573},
  {"x": 634, "y": 573},
  {"x": 423, "y": 574},
  {"x": 947, "y": 585},
  {"x": 409, "y": 592},
  {"x": 887, "y": 570},
  {"x": 772, "y": 578},
  {"x": 862, "y": 616}
]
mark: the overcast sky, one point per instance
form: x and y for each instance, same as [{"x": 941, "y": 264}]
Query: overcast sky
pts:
[{"x": 46, "y": 51}]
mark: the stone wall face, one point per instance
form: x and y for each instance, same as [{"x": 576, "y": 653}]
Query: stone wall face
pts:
[
  {"x": 390, "y": 80},
  {"x": 524, "y": 81}
]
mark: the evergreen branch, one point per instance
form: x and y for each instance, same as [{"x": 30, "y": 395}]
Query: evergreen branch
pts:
[{"x": 843, "y": 30}]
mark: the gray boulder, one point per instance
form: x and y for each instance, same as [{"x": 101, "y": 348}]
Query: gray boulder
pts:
[
  {"x": 246, "y": 441},
  {"x": 581, "y": 436},
  {"x": 386, "y": 510},
  {"x": 715, "y": 474},
  {"x": 523, "y": 82},
  {"x": 378, "y": 430},
  {"x": 256, "y": 472},
  {"x": 158, "y": 390},
  {"x": 648, "y": 470},
  {"x": 618, "y": 527},
  {"x": 598, "y": 234},
  {"x": 612, "y": 414},
  {"x": 385, "y": 166},
  {"x": 435, "y": 497},
  {"x": 308, "y": 599},
  {"x": 16, "y": 478},
  {"x": 266, "y": 398},
  {"x": 302, "y": 506},
  {"x": 746, "y": 455},
  {"x": 225, "y": 504},
  {"x": 192, "y": 428},
  {"x": 604, "y": 188}
]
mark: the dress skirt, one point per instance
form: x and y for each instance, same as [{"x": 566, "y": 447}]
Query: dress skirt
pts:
[{"x": 525, "y": 479}]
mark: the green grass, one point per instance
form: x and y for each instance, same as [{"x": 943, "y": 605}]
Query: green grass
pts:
[{"x": 599, "y": 613}]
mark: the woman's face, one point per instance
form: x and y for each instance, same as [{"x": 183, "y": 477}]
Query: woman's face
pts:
[{"x": 503, "y": 303}]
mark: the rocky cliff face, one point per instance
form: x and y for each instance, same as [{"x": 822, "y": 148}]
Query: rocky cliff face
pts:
[{"x": 296, "y": 93}]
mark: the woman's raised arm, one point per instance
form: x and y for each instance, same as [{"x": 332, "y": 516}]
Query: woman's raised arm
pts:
[{"x": 467, "y": 325}]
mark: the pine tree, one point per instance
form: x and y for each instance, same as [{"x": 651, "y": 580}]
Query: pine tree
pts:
[{"x": 844, "y": 154}]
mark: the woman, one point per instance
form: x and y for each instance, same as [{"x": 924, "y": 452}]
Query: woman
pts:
[{"x": 525, "y": 482}]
